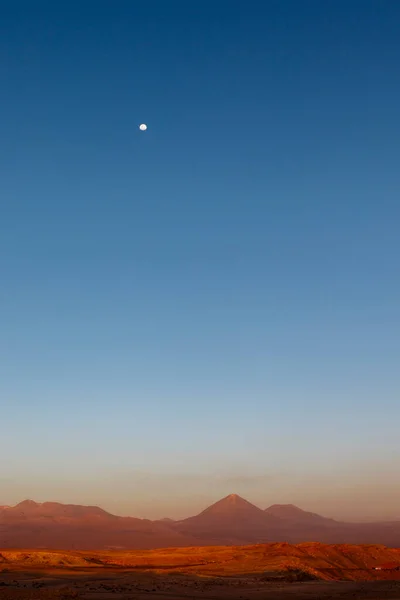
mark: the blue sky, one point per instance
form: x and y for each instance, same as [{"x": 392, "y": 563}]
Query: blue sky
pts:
[{"x": 214, "y": 303}]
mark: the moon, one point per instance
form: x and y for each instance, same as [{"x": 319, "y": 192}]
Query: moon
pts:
[{"x": 143, "y": 127}]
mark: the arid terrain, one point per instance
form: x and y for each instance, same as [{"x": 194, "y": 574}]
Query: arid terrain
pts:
[
  {"x": 230, "y": 521},
  {"x": 232, "y": 549},
  {"x": 245, "y": 572}
]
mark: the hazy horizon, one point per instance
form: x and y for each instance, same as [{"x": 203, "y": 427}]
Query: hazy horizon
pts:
[
  {"x": 156, "y": 496},
  {"x": 210, "y": 306}
]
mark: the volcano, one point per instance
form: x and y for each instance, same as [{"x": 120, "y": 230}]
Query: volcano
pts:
[{"x": 230, "y": 520}]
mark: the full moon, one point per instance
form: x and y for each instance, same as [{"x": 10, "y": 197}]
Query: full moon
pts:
[{"x": 143, "y": 127}]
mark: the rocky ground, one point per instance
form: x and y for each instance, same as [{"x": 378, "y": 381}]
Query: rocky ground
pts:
[{"x": 264, "y": 571}]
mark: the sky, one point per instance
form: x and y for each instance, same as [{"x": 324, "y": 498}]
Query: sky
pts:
[{"x": 211, "y": 306}]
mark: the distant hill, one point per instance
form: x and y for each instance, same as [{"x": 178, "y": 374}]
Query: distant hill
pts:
[
  {"x": 303, "y": 526},
  {"x": 32, "y": 510},
  {"x": 293, "y": 514},
  {"x": 165, "y": 521}
]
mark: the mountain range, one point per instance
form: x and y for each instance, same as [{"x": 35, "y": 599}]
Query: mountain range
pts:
[{"x": 230, "y": 521}]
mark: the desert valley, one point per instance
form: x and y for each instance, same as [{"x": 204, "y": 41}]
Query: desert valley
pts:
[{"x": 270, "y": 571}]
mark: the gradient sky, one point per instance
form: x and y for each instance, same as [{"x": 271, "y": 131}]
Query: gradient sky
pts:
[{"x": 212, "y": 306}]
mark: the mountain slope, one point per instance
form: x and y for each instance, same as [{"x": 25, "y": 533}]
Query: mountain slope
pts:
[
  {"x": 302, "y": 526},
  {"x": 290, "y": 512},
  {"x": 66, "y": 526},
  {"x": 28, "y": 509},
  {"x": 231, "y": 520}
]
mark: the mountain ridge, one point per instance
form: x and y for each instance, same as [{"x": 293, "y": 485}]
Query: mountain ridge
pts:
[{"x": 232, "y": 520}]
